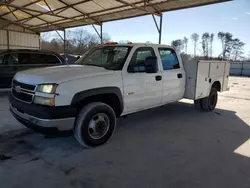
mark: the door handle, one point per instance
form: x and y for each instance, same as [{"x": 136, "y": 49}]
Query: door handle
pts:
[
  {"x": 158, "y": 78},
  {"x": 179, "y": 75}
]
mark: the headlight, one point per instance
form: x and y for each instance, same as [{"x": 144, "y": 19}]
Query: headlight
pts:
[
  {"x": 44, "y": 101},
  {"x": 47, "y": 88}
]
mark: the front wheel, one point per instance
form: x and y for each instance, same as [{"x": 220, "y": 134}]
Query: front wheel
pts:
[
  {"x": 95, "y": 124},
  {"x": 208, "y": 103}
]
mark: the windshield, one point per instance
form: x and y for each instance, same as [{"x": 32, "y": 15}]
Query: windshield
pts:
[{"x": 108, "y": 57}]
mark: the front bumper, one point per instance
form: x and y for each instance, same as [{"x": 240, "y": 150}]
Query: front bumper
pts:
[{"x": 52, "y": 123}]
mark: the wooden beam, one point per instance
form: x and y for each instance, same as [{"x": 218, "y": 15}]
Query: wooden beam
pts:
[
  {"x": 10, "y": 1},
  {"x": 6, "y": 25},
  {"x": 132, "y": 5},
  {"x": 15, "y": 10},
  {"x": 32, "y": 10},
  {"x": 81, "y": 12},
  {"x": 51, "y": 13},
  {"x": 49, "y": 7},
  {"x": 72, "y": 18},
  {"x": 20, "y": 25},
  {"x": 157, "y": 11},
  {"x": 11, "y": 11},
  {"x": 60, "y": 9},
  {"x": 92, "y": 13},
  {"x": 100, "y": 11},
  {"x": 48, "y": 23},
  {"x": 137, "y": 7},
  {"x": 43, "y": 28},
  {"x": 18, "y": 21}
]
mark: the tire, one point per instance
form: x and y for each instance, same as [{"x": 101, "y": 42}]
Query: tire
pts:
[
  {"x": 209, "y": 103},
  {"x": 197, "y": 104},
  {"x": 95, "y": 124}
]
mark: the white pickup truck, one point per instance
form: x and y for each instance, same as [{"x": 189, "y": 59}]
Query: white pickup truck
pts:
[{"x": 110, "y": 81}]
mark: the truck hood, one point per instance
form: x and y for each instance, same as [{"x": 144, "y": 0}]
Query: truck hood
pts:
[{"x": 59, "y": 74}]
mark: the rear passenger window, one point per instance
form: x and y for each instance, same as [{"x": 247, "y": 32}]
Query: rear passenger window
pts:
[{"x": 169, "y": 59}]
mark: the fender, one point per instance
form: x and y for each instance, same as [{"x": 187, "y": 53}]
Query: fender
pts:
[
  {"x": 102, "y": 90},
  {"x": 216, "y": 81}
]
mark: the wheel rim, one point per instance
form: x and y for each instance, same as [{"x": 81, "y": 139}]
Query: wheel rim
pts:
[{"x": 98, "y": 126}]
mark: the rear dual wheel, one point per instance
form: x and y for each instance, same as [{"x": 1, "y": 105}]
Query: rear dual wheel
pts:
[{"x": 208, "y": 103}]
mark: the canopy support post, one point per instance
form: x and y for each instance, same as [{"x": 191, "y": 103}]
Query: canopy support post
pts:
[
  {"x": 8, "y": 40},
  {"x": 99, "y": 33},
  {"x": 158, "y": 26},
  {"x": 64, "y": 43}
]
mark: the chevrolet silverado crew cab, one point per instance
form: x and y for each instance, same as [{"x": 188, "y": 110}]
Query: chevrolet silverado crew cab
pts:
[{"x": 110, "y": 81}]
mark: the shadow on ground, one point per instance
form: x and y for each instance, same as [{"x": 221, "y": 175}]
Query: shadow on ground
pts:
[{"x": 171, "y": 146}]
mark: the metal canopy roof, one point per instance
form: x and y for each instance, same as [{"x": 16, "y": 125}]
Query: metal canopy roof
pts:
[{"x": 47, "y": 15}]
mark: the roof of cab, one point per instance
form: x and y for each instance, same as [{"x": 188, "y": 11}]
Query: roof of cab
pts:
[{"x": 139, "y": 44}]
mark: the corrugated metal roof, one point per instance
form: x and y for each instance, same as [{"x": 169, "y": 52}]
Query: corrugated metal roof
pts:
[{"x": 46, "y": 15}]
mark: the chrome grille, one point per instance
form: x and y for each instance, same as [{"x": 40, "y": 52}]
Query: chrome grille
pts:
[
  {"x": 24, "y": 86},
  {"x": 23, "y": 92}
]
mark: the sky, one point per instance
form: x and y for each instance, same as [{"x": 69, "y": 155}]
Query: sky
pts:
[{"x": 233, "y": 17}]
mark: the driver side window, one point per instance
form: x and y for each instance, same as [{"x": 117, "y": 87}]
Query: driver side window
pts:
[{"x": 137, "y": 62}]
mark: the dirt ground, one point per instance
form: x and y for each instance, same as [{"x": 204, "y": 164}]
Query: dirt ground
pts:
[{"x": 172, "y": 146}]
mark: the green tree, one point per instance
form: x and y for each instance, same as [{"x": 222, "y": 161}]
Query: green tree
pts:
[
  {"x": 237, "y": 49},
  {"x": 178, "y": 44},
  {"x": 205, "y": 42},
  {"x": 226, "y": 44},
  {"x": 211, "y": 44},
  {"x": 195, "y": 38},
  {"x": 185, "y": 43},
  {"x": 221, "y": 36},
  {"x": 78, "y": 41},
  {"x": 83, "y": 40}
]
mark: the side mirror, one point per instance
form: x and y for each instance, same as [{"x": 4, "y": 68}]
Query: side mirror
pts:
[{"x": 151, "y": 65}]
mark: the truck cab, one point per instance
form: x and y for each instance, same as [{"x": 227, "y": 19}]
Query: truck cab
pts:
[{"x": 109, "y": 81}]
